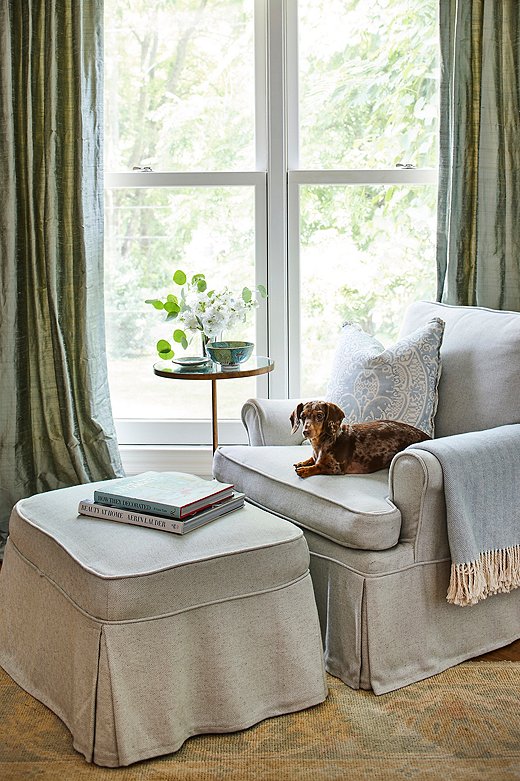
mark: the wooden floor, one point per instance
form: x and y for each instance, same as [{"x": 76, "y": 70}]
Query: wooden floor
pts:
[{"x": 509, "y": 653}]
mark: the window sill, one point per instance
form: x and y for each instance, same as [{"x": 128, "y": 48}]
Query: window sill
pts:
[{"x": 196, "y": 459}]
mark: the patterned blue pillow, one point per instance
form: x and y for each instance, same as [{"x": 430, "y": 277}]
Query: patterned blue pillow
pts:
[{"x": 370, "y": 382}]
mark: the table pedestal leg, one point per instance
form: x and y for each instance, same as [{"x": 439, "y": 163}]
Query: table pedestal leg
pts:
[{"x": 214, "y": 420}]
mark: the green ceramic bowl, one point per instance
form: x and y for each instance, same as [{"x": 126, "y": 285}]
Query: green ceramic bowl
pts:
[{"x": 229, "y": 354}]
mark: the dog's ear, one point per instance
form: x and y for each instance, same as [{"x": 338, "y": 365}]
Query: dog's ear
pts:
[
  {"x": 334, "y": 417},
  {"x": 295, "y": 418}
]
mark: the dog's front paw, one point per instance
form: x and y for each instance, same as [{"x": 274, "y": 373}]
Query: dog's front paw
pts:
[
  {"x": 302, "y": 471},
  {"x": 307, "y": 462}
]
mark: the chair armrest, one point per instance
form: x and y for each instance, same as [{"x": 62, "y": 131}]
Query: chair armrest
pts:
[
  {"x": 416, "y": 487},
  {"x": 267, "y": 422}
]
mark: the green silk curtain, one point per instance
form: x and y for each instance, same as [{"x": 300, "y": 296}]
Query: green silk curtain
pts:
[
  {"x": 479, "y": 178},
  {"x": 56, "y": 426}
]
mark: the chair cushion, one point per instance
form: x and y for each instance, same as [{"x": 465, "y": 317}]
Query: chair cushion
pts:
[
  {"x": 352, "y": 510},
  {"x": 370, "y": 382},
  {"x": 154, "y": 572},
  {"x": 480, "y": 353}
]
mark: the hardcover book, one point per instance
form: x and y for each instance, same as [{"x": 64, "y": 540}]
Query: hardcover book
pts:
[
  {"x": 170, "y": 494},
  {"x": 104, "y": 512}
]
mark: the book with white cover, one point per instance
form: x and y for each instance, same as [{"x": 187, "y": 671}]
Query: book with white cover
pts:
[
  {"x": 105, "y": 513},
  {"x": 170, "y": 494}
]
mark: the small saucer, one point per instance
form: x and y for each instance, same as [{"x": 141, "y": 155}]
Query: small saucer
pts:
[{"x": 191, "y": 360}]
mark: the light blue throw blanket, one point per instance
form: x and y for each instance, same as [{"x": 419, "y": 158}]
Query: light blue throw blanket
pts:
[{"x": 481, "y": 472}]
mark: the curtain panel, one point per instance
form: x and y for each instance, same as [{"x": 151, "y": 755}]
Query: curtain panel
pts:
[
  {"x": 56, "y": 426},
  {"x": 479, "y": 179}
]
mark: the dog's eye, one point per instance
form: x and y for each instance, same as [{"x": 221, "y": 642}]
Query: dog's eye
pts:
[{"x": 320, "y": 416}]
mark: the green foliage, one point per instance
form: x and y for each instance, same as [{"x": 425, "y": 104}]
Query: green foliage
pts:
[
  {"x": 357, "y": 307},
  {"x": 376, "y": 84},
  {"x": 207, "y": 311},
  {"x": 164, "y": 349},
  {"x": 162, "y": 52}
]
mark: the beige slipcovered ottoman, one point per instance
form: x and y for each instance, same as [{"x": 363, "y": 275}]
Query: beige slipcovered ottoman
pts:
[{"x": 138, "y": 638}]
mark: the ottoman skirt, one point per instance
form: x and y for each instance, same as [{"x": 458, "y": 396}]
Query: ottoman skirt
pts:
[{"x": 134, "y": 687}]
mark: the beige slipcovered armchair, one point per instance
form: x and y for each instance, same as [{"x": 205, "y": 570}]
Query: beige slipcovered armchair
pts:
[{"x": 382, "y": 544}]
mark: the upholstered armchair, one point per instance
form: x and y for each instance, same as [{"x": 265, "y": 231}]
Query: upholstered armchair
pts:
[{"x": 382, "y": 544}]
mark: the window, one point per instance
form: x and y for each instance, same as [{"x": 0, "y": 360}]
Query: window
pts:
[{"x": 292, "y": 144}]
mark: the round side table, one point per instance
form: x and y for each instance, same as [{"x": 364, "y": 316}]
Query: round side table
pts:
[{"x": 256, "y": 365}]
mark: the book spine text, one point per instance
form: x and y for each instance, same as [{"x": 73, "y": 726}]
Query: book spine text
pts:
[
  {"x": 140, "y": 505},
  {"x": 128, "y": 516}
]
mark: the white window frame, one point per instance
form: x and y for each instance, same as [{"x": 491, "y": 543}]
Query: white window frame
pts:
[
  {"x": 158, "y": 434},
  {"x": 276, "y": 182}
]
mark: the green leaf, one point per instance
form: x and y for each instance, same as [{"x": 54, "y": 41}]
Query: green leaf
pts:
[
  {"x": 164, "y": 349},
  {"x": 172, "y": 306},
  {"x": 179, "y": 336},
  {"x": 201, "y": 285},
  {"x": 261, "y": 289},
  {"x": 155, "y": 303},
  {"x": 179, "y": 277},
  {"x": 246, "y": 295},
  {"x": 196, "y": 277},
  {"x": 184, "y": 343},
  {"x": 172, "y": 315},
  {"x": 171, "y": 297}
]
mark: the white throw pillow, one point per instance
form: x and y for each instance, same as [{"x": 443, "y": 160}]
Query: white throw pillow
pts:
[{"x": 400, "y": 382}]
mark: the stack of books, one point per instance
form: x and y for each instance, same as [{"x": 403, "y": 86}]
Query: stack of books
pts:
[{"x": 171, "y": 501}]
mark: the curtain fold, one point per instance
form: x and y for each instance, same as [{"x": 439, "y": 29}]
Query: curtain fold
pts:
[
  {"x": 478, "y": 247},
  {"x": 56, "y": 426}
]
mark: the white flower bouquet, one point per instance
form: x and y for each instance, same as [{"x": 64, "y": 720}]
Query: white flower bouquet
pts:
[{"x": 198, "y": 309}]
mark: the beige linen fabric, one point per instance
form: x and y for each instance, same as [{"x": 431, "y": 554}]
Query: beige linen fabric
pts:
[
  {"x": 480, "y": 355},
  {"x": 386, "y": 630},
  {"x": 267, "y": 422},
  {"x": 138, "y": 642},
  {"x": 381, "y": 578},
  {"x": 181, "y": 571},
  {"x": 384, "y": 616},
  {"x": 352, "y": 510}
]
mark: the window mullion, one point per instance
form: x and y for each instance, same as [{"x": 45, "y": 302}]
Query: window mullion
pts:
[
  {"x": 293, "y": 193},
  {"x": 261, "y": 119},
  {"x": 277, "y": 200}
]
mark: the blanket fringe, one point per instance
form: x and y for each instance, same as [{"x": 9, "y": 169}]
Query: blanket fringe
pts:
[{"x": 494, "y": 572}]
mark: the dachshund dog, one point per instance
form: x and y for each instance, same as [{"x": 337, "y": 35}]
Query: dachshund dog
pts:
[{"x": 357, "y": 449}]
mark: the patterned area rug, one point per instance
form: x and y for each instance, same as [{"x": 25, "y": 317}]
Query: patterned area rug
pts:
[{"x": 462, "y": 725}]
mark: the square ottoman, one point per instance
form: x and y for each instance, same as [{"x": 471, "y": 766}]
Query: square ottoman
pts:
[{"x": 138, "y": 639}]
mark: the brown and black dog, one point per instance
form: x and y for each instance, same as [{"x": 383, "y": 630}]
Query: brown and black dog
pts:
[{"x": 357, "y": 449}]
